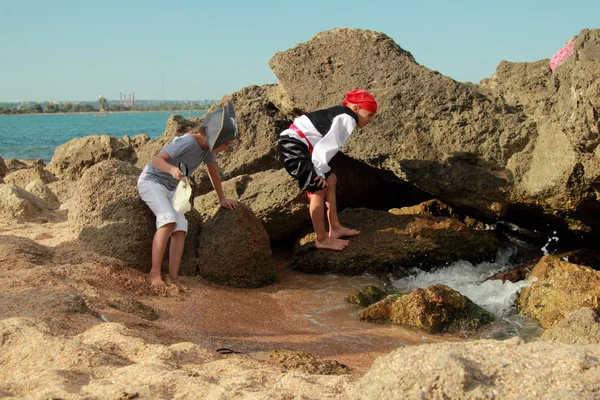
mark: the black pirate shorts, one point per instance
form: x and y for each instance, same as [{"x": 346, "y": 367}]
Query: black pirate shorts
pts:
[{"x": 298, "y": 163}]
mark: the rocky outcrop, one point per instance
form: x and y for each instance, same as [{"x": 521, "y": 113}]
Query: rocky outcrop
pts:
[
  {"x": 39, "y": 188},
  {"x": 490, "y": 150},
  {"x": 366, "y": 296},
  {"x": 71, "y": 159},
  {"x": 435, "y": 309},
  {"x": 557, "y": 289},
  {"x": 389, "y": 242},
  {"x": 24, "y": 176},
  {"x": 137, "y": 141},
  {"x": 234, "y": 249},
  {"x": 18, "y": 205}
]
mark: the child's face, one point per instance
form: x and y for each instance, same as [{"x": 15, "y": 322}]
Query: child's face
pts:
[
  {"x": 221, "y": 147},
  {"x": 364, "y": 117}
]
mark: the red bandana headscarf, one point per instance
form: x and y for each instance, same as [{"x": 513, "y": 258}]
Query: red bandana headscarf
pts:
[{"x": 361, "y": 98}]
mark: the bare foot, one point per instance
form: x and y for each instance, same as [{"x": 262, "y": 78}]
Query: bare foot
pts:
[
  {"x": 343, "y": 232},
  {"x": 331, "y": 244},
  {"x": 175, "y": 282},
  {"x": 156, "y": 280}
]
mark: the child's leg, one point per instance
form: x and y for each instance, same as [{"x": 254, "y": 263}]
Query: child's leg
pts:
[
  {"x": 336, "y": 230},
  {"x": 317, "y": 214},
  {"x": 159, "y": 245},
  {"x": 175, "y": 254}
]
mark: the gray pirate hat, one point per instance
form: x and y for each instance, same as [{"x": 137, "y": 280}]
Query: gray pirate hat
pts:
[{"x": 221, "y": 126}]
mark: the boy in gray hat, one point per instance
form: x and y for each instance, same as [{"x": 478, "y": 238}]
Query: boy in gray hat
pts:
[{"x": 159, "y": 179}]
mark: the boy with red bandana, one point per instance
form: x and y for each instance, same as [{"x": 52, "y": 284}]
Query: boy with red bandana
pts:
[{"x": 306, "y": 148}]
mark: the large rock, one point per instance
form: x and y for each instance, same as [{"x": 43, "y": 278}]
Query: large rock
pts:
[
  {"x": 72, "y": 158},
  {"x": 557, "y": 289},
  {"x": 490, "y": 150},
  {"x": 18, "y": 205},
  {"x": 38, "y": 188},
  {"x": 273, "y": 196},
  {"x": 25, "y": 176},
  {"x": 234, "y": 249},
  {"x": 389, "y": 242},
  {"x": 435, "y": 309}
]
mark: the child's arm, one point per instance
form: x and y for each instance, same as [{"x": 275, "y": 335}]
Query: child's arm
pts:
[
  {"x": 215, "y": 179},
  {"x": 161, "y": 161}
]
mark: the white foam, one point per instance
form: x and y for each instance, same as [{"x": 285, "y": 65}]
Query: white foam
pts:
[{"x": 468, "y": 279}]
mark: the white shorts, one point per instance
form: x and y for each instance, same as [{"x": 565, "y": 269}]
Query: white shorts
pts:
[{"x": 159, "y": 199}]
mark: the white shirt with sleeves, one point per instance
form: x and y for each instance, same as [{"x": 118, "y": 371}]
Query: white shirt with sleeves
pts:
[{"x": 324, "y": 146}]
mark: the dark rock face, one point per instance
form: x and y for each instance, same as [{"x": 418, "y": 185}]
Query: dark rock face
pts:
[
  {"x": 389, "y": 242},
  {"x": 234, "y": 249},
  {"x": 521, "y": 146}
]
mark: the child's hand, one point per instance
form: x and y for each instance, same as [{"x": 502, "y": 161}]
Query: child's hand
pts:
[
  {"x": 229, "y": 204},
  {"x": 176, "y": 173},
  {"x": 322, "y": 183}
]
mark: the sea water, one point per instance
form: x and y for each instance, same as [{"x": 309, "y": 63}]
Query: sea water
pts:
[{"x": 35, "y": 136}]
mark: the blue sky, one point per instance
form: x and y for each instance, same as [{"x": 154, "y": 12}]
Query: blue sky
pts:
[{"x": 74, "y": 50}]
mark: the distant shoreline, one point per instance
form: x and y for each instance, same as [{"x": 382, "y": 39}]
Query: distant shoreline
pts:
[{"x": 108, "y": 113}]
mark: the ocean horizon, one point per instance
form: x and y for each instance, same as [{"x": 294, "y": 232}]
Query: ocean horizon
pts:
[{"x": 36, "y": 136}]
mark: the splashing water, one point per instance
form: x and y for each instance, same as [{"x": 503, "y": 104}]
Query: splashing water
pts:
[
  {"x": 550, "y": 239},
  {"x": 468, "y": 279}
]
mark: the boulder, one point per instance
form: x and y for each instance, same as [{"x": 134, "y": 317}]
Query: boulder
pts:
[
  {"x": 137, "y": 141},
  {"x": 558, "y": 288},
  {"x": 435, "y": 309},
  {"x": 40, "y": 189},
  {"x": 389, "y": 242},
  {"x": 18, "y": 205},
  {"x": 234, "y": 249},
  {"x": 273, "y": 196},
  {"x": 71, "y": 159},
  {"x": 22, "y": 177},
  {"x": 366, "y": 296}
]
